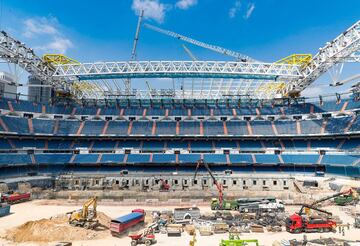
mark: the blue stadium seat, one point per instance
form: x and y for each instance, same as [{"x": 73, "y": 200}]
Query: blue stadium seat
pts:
[
  {"x": 112, "y": 158},
  {"x": 14, "y": 159},
  {"x": 215, "y": 158},
  {"x": 241, "y": 159},
  {"x": 340, "y": 159},
  {"x": 262, "y": 128},
  {"x": 201, "y": 145},
  {"x": 189, "y": 127},
  {"x": 142, "y": 128},
  {"x": 238, "y": 128},
  {"x": 189, "y": 158},
  {"x": 166, "y": 128},
  {"x": 52, "y": 158},
  {"x": 86, "y": 158},
  {"x": 93, "y": 127},
  {"x": 213, "y": 128},
  {"x": 138, "y": 158},
  {"x": 266, "y": 158},
  {"x": 164, "y": 158},
  {"x": 119, "y": 128},
  {"x": 300, "y": 158},
  {"x": 43, "y": 126}
]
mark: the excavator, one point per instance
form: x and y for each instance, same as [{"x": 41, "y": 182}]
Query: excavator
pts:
[
  {"x": 85, "y": 217},
  {"x": 218, "y": 202},
  {"x": 303, "y": 222}
]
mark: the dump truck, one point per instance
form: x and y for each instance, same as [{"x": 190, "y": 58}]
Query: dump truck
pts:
[
  {"x": 121, "y": 224},
  {"x": 4, "y": 209},
  {"x": 12, "y": 198}
]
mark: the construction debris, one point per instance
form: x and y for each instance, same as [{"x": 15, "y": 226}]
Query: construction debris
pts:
[{"x": 56, "y": 229}]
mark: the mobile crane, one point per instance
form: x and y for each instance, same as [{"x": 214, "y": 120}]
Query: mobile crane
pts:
[
  {"x": 300, "y": 222},
  {"x": 218, "y": 185},
  {"x": 85, "y": 217}
]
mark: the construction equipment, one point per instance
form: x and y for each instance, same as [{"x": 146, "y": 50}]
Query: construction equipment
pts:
[
  {"x": 14, "y": 197},
  {"x": 218, "y": 49},
  {"x": 146, "y": 237},
  {"x": 217, "y": 184},
  {"x": 300, "y": 222},
  {"x": 193, "y": 240},
  {"x": 350, "y": 198},
  {"x": 234, "y": 240},
  {"x": 85, "y": 217}
]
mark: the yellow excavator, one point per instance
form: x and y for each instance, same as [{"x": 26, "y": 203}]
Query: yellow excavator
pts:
[{"x": 85, "y": 217}]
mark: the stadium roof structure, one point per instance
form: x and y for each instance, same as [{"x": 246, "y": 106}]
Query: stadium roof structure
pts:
[{"x": 190, "y": 79}]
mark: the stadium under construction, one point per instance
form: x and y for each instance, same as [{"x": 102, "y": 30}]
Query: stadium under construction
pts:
[{"x": 243, "y": 124}]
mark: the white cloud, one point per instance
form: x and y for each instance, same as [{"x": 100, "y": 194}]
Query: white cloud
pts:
[
  {"x": 235, "y": 9},
  {"x": 38, "y": 26},
  {"x": 153, "y": 9},
  {"x": 185, "y": 4},
  {"x": 250, "y": 10},
  {"x": 57, "y": 45},
  {"x": 46, "y": 34}
]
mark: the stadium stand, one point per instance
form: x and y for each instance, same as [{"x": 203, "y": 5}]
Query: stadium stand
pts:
[{"x": 142, "y": 134}]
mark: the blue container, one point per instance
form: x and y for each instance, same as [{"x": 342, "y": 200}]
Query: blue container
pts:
[
  {"x": 4, "y": 209},
  {"x": 127, "y": 218}
]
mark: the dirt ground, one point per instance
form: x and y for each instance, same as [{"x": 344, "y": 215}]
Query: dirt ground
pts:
[{"x": 44, "y": 209}]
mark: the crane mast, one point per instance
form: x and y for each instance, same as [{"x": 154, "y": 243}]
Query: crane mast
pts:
[
  {"x": 127, "y": 81},
  {"x": 218, "y": 49},
  {"x": 218, "y": 185}
]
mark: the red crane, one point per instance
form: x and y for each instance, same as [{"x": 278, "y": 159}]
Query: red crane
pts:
[
  {"x": 217, "y": 184},
  {"x": 299, "y": 222}
]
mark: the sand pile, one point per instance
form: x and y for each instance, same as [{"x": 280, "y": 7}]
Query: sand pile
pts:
[{"x": 56, "y": 229}]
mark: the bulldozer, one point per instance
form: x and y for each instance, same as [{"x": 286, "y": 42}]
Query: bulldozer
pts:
[{"x": 85, "y": 217}]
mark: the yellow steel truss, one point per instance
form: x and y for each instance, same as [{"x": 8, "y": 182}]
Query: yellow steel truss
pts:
[
  {"x": 296, "y": 59},
  {"x": 59, "y": 59}
]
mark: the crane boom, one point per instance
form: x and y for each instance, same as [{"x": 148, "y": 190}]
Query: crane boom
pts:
[
  {"x": 217, "y": 184},
  {"x": 189, "y": 52},
  {"x": 215, "y": 48}
]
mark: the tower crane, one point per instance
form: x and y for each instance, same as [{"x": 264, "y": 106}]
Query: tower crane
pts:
[
  {"x": 218, "y": 49},
  {"x": 218, "y": 185},
  {"x": 127, "y": 81}
]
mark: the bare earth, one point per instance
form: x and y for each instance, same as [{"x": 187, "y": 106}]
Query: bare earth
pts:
[{"x": 54, "y": 227}]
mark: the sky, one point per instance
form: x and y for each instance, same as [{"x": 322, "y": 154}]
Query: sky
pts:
[{"x": 266, "y": 30}]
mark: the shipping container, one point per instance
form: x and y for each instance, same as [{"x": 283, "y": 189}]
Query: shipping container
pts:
[
  {"x": 119, "y": 225},
  {"x": 4, "y": 209}
]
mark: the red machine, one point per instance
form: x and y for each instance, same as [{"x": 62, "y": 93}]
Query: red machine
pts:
[
  {"x": 217, "y": 184},
  {"x": 15, "y": 198},
  {"x": 119, "y": 225},
  {"x": 300, "y": 222},
  {"x": 146, "y": 237}
]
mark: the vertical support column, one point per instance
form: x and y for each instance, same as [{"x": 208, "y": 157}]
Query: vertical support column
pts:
[
  {"x": 280, "y": 159},
  {"x": 253, "y": 157},
  {"x": 343, "y": 108},
  {"x": 228, "y": 159},
  {"x": 274, "y": 128},
  {"x": 80, "y": 128},
  {"x": 298, "y": 127},
  {"x": 125, "y": 158},
  {"x": 153, "y": 130},
  {"x": 103, "y": 132},
  {"x": 166, "y": 113},
  {"x": 201, "y": 128},
  {"x": 32, "y": 157},
  {"x": 43, "y": 109},
  {"x": 225, "y": 128},
  {"x": 73, "y": 112},
  {"x": 312, "y": 109},
  {"x": 189, "y": 112},
  {"x": 144, "y": 112},
  {"x": 249, "y": 128},
  {"x": 211, "y": 112},
  {"x": 99, "y": 158},
  {"x": 3, "y": 125},
  {"x": 121, "y": 112},
  {"x": 350, "y": 124},
  {"x": 98, "y": 111},
  {"x": 56, "y": 127},
  {"x": 234, "y": 112},
  {"x": 46, "y": 144},
  {"x": 30, "y": 126},
  {"x": 130, "y": 127},
  {"x": 308, "y": 145},
  {"x": 151, "y": 157},
  {"x": 177, "y": 127},
  {"x": 320, "y": 159},
  {"x": 72, "y": 158},
  {"x": 323, "y": 127}
]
